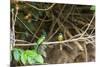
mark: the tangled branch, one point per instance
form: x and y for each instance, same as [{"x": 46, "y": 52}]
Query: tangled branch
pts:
[{"x": 39, "y": 8}]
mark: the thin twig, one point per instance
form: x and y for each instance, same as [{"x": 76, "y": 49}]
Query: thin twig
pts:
[
  {"x": 86, "y": 54},
  {"x": 92, "y": 31},
  {"x": 55, "y": 23},
  {"x": 52, "y": 26},
  {"x": 88, "y": 26},
  {"x": 17, "y": 8},
  {"x": 76, "y": 42},
  {"x": 13, "y": 27},
  {"x": 26, "y": 26},
  {"x": 39, "y": 8},
  {"x": 17, "y": 40},
  {"x": 92, "y": 42},
  {"x": 38, "y": 29},
  {"x": 53, "y": 34}
]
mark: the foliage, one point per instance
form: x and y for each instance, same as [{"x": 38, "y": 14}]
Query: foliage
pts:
[
  {"x": 17, "y": 54},
  {"x": 63, "y": 25},
  {"x": 27, "y": 56}
]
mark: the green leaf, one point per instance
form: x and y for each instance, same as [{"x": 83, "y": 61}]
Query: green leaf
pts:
[
  {"x": 17, "y": 54},
  {"x": 39, "y": 59},
  {"x": 24, "y": 58},
  {"x": 28, "y": 57},
  {"x": 31, "y": 53},
  {"x": 31, "y": 60},
  {"x": 34, "y": 57}
]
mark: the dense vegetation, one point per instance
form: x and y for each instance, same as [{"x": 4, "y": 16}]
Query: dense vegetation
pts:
[{"x": 47, "y": 33}]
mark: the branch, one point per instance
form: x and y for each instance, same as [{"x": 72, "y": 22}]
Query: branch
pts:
[
  {"x": 39, "y": 8},
  {"x": 88, "y": 26},
  {"x": 86, "y": 53},
  {"x": 25, "y": 25},
  {"x": 57, "y": 42},
  {"x": 17, "y": 40}
]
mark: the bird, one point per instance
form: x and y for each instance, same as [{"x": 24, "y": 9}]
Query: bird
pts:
[
  {"x": 39, "y": 41},
  {"x": 60, "y": 38}
]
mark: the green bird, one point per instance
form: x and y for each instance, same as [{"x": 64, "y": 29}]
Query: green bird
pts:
[
  {"x": 39, "y": 41},
  {"x": 60, "y": 36}
]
